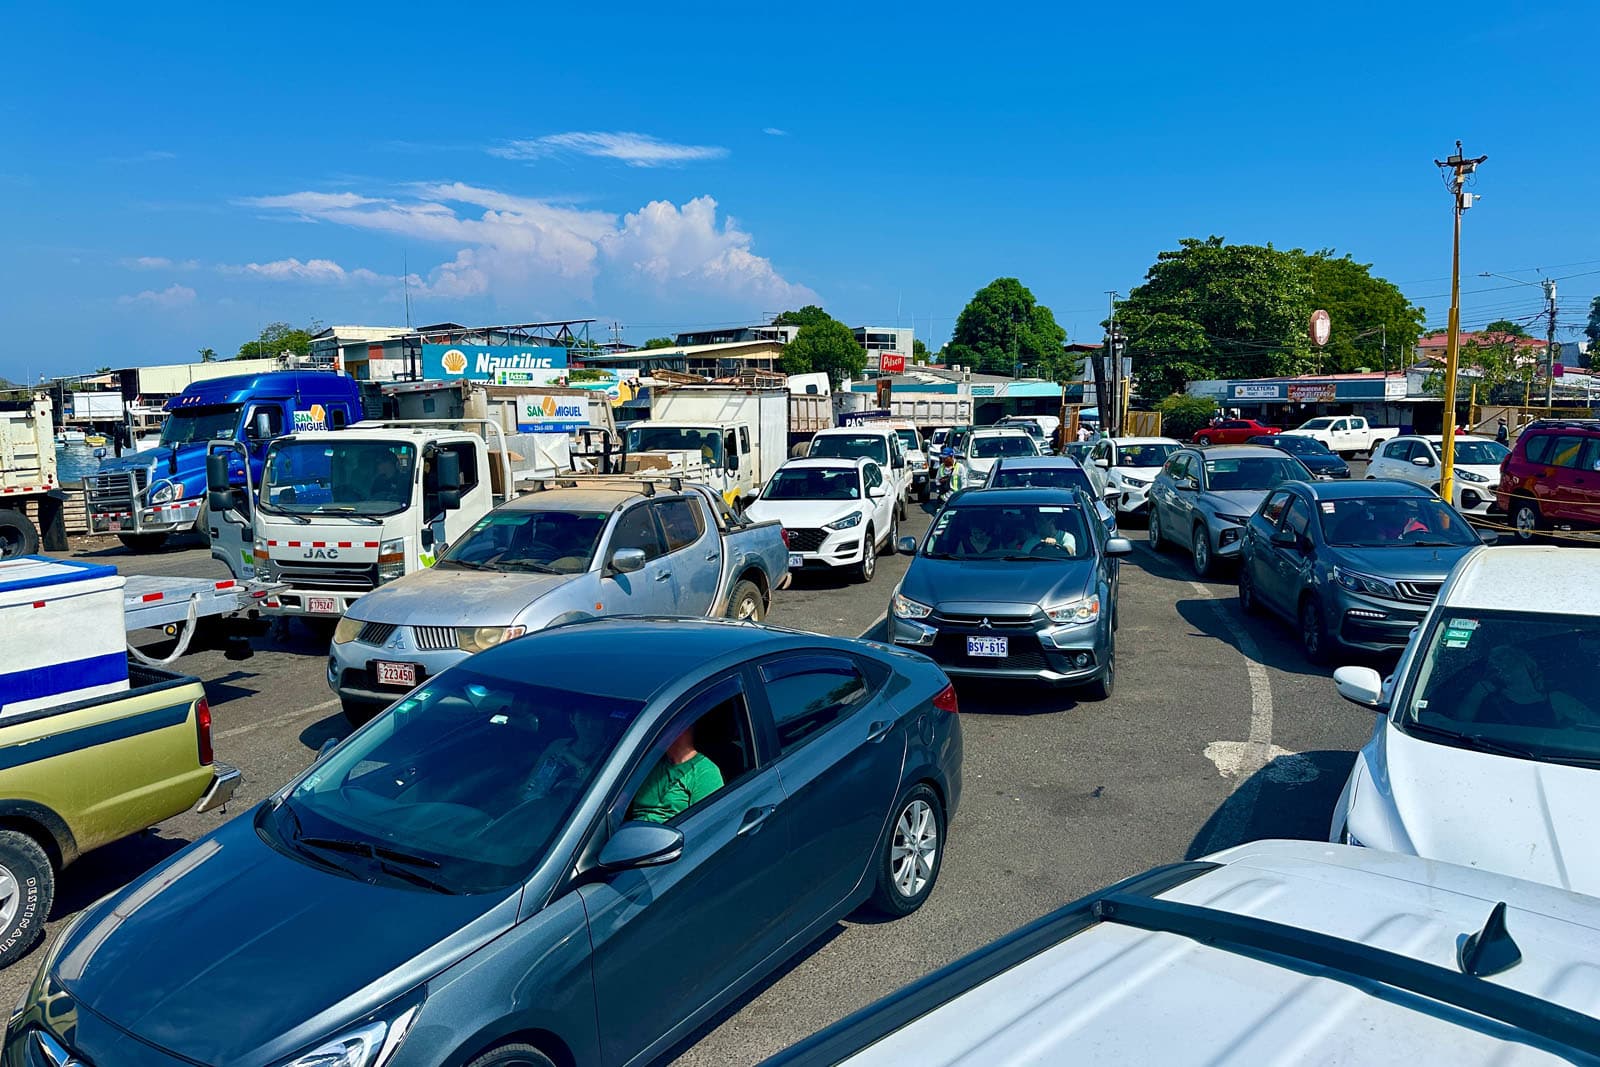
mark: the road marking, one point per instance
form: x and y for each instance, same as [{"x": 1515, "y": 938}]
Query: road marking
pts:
[
  {"x": 1259, "y": 751},
  {"x": 278, "y": 720}
]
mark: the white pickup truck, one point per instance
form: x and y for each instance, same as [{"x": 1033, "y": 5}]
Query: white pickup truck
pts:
[{"x": 1345, "y": 434}]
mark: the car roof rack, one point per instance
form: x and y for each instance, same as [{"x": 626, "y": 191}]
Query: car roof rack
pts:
[{"x": 644, "y": 486}]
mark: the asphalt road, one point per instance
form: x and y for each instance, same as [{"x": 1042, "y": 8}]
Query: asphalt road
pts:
[{"x": 1218, "y": 733}]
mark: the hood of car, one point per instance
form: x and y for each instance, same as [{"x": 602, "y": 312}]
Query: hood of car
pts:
[
  {"x": 1401, "y": 564},
  {"x": 450, "y": 597},
  {"x": 970, "y": 587},
  {"x": 1516, "y": 816},
  {"x": 807, "y": 514},
  {"x": 1234, "y": 501},
  {"x": 1321, "y": 461},
  {"x": 231, "y": 945}
]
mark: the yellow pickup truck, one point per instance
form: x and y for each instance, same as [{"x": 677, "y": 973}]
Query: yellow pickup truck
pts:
[{"x": 80, "y": 775}]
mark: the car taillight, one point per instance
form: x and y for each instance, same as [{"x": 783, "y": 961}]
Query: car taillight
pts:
[
  {"x": 946, "y": 700},
  {"x": 202, "y": 723},
  {"x": 785, "y": 534}
]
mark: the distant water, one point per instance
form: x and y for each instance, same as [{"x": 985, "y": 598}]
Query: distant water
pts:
[{"x": 76, "y": 462}]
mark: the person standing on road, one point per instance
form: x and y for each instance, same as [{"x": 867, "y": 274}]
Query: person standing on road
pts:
[
  {"x": 949, "y": 473},
  {"x": 1501, "y": 433},
  {"x": 1083, "y": 432}
]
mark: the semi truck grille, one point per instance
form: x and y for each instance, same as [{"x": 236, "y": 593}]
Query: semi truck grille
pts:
[
  {"x": 116, "y": 490},
  {"x": 434, "y": 638},
  {"x": 310, "y": 574},
  {"x": 806, "y": 540},
  {"x": 376, "y": 633}
]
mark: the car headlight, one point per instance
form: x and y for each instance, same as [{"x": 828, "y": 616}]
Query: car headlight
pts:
[
  {"x": 347, "y": 630},
  {"x": 1237, "y": 520},
  {"x": 906, "y": 608},
  {"x": 1357, "y": 582},
  {"x": 1128, "y": 479},
  {"x": 1081, "y": 611},
  {"x": 166, "y": 492},
  {"x": 482, "y": 638},
  {"x": 848, "y": 522},
  {"x": 392, "y": 559},
  {"x": 1470, "y": 476},
  {"x": 371, "y": 1044}
]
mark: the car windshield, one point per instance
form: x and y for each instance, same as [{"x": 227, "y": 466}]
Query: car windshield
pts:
[
  {"x": 1144, "y": 455},
  {"x": 1316, "y": 424},
  {"x": 1056, "y": 476},
  {"x": 908, "y": 440},
  {"x": 647, "y": 438},
  {"x": 1016, "y": 532},
  {"x": 814, "y": 483},
  {"x": 850, "y": 446},
  {"x": 1478, "y": 453},
  {"x": 537, "y": 542},
  {"x": 200, "y": 424},
  {"x": 1511, "y": 682},
  {"x": 1300, "y": 446},
  {"x": 1251, "y": 473},
  {"x": 1393, "y": 522},
  {"x": 459, "y": 788},
  {"x": 338, "y": 477},
  {"x": 1010, "y": 444},
  {"x": 1029, "y": 427}
]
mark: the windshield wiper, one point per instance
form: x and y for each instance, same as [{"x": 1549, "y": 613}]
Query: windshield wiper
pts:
[
  {"x": 460, "y": 563},
  {"x": 1433, "y": 544},
  {"x": 368, "y": 848},
  {"x": 529, "y": 565},
  {"x": 281, "y": 510}
]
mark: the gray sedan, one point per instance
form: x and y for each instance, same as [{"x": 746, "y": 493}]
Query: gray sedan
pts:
[
  {"x": 1202, "y": 498},
  {"x": 574, "y": 848}
]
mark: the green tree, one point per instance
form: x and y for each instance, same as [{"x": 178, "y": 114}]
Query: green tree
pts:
[
  {"x": 1505, "y": 328},
  {"x": 277, "y": 338},
  {"x": 810, "y": 315},
  {"x": 208, "y": 355},
  {"x": 660, "y": 342},
  {"x": 825, "y": 346},
  {"x": 1182, "y": 415},
  {"x": 1367, "y": 314},
  {"x": 919, "y": 351},
  {"x": 1592, "y": 331},
  {"x": 1002, "y": 326},
  {"x": 1500, "y": 366}
]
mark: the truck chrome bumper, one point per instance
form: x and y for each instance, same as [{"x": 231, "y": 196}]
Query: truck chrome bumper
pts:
[{"x": 225, "y": 778}]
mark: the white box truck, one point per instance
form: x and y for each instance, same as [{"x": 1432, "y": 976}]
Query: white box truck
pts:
[
  {"x": 28, "y": 474},
  {"x": 741, "y": 434}
]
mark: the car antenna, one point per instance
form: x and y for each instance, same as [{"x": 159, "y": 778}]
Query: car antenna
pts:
[{"x": 1490, "y": 950}]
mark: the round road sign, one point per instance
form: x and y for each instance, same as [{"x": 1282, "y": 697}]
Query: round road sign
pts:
[{"x": 1321, "y": 327}]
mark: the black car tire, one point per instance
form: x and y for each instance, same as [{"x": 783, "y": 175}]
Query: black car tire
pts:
[
  {"x": 518, "y": 1055},
  {"x": 887, "y": 899},
  {"x": 869, "y": 557},
  {"x": 1203, "y": 442},
  {"x": 18, "y": 535},
  {"x": 1200, "y": 552},
  {"x": 1104, "y": 682},
  {"x": 202, "y": 523},
  {"x": 1313, "y": 631},
  {"x": 142, "y": 542},
  {"x": 1526, "y": 520},
  {"x": 1247, "y": 591},
  {"x": 1157, "y": 544},
  {"x": 35, "y": 882},
  {"x": 359, "y": 712},
  {"x": 747, "y": 604}
]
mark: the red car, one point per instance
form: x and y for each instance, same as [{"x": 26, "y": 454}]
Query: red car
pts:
[
  {"x": 1552, "y": 477},
  {"x": 1231, "y": 432}
]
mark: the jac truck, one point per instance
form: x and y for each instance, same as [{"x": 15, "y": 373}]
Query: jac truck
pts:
[
  {"x": 144, "y": 497},
  {"x": 28, "y": 476},
  {"x": 730, "y": 437}
]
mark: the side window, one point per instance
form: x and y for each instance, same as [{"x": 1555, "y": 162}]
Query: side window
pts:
[
  {"x": 1340, "y": 425},
  {"x": 1397, "y": 450},
  {"x": 1538, "y": 448},
  {"x": 1299, "y": 519},
  {"x": 1590, "y": 460},
  {"x": 872, "y": 474},
  {"x": 744, "y": 440},
  {"x": 1566, "y": 450},
  {"x": 637, "y": 529},
  {"x": 810, "y": 693},
  {"x": 1101, "y": 451},
  {"x": 337, "y": 419},
  {"x": 1180, "y": 466},
  {"x": 1272, "y": 510},
  {"x": 680, "y": 521},
  {"x": 274, "y": 416},
  {"x": 722, "y": 742}
]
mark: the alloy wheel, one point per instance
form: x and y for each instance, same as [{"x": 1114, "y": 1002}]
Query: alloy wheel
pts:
[
  {"x": 1525, "y": 517},
  {"x": 10, "y": 897},
  {"x": 749, "y": 609},
  {"x": 915, "y": 848}
]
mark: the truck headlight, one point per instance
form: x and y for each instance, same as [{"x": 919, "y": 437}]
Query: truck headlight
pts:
[
  {"x": 166, "y": 492},
  {"x": 848, "y": 522},
  {"x": 483, "y": 638},
  {"x": 392, "y": 559},
  {"x": 1081, "y": 611},
  {"x": 347, "y": 630},
  {"x": 906, "y": 608},
  {"x": 371, "y": 1044}
]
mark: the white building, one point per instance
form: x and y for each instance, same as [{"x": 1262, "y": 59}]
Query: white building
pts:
[{"x": 880, "y": 339}]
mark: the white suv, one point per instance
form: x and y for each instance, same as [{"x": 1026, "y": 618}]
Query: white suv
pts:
[
  {"x": 1419, "y": 459},
  {"x": 835, "y": 513},
  {"x": 1131, "y": 464},
  {"x": 876, "y": 441},
  {"x": 985, "y": 446}
]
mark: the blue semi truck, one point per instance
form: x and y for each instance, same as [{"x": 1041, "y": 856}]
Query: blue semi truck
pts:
[{"x": 146, "y": 496}]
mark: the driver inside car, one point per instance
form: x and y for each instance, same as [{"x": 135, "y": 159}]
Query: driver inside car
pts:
[
  {"x": 1045, "y": 535},
  {"x": 683, "y": 777}
]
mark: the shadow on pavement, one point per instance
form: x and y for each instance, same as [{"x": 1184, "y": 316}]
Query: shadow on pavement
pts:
[
  {"x": 983, "y": 696},
  {"x": 221, "y": 690},
  {"x": 111, "y": 867},
  {"x": 1274, "y": 638},
  {"x": 335, "y": 726},
  {"x": 1291, "y": 797}
]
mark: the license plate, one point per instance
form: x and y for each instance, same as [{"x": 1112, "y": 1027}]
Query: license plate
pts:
[
  {"x": 796, "y": 560},
  {"x": 987, "y": 646},
  {"x": 322, "y": 605},
  {"x": 115, "y": 525},
  {"x": 396, "y": 673}
]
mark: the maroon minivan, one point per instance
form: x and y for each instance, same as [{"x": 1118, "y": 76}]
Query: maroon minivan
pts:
[{"x": 1552, "y": 477}]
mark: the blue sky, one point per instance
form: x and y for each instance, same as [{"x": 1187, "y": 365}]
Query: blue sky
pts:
[{"x": 175, "y": 180}]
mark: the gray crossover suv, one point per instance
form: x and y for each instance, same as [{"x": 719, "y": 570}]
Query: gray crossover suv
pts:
[{"x": 1203, "y": 497}]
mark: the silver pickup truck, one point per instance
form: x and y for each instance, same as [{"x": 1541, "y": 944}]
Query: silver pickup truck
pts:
[{"x": 607, "y": 547}]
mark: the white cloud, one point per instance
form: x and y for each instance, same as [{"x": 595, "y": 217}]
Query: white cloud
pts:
[
  {"x": 321, "y": 271},
  {"x": 773, "y": 131},
  {"x": 160, "y": 263},
  {"x": 678, "y": 248},
  {"x": 173, "y": 296},
  {"x": 634, "y": 149}
]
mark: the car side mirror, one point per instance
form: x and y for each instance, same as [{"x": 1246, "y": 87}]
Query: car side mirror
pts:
[
  {"x": 447, "y": 473},
  {"x": 1119, "y": 546},
  {"x": 433, "y": 537},
  {"x": 1488, "y": 537},
  {"x": 1111, "y": 494},
  {"x": 1187, "y": 485},
  {"x": 1103, "y": 463},
  {"x": 641, "y": 844},
  {"x": 906, "y": 546},
  {"x": 878, "y": 491},
  {"x": 1360, "y": 685},
  {"x": 1422, "y": 461},
  {"x": 1286, "y": 538},
  {"x": 627, "y": 560}
]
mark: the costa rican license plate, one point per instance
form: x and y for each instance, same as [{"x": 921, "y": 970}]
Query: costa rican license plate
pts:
[
  {"x": 396, "y": 673},
  {"x": 987, "y": 646},
  {"x": 114, "y": 525},
  {"x": 796, "y": 560},
  {"x": 322, "y": 605}
]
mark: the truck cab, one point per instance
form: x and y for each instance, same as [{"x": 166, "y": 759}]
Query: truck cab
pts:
[
  {"x": 338, "y": 514},
  {"x": 146, "y": 496},
  {"x": 715, "y": 454}
]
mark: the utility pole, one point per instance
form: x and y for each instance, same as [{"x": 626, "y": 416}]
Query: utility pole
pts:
[
  {"x": 1458, "y": 169},
  {"x": 1114, "y": 421},
  {"x": 1550, "y": 344}
]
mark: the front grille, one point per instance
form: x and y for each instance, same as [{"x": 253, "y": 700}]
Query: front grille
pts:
[
  {"x": 995, "y": 622},
  {"x": 116, "y": 490},
  {"x": 434, "y": 638},
  {"x": 806, "y": 540},
  {"x": 1418, "y": 592},
  {"x": 376, "y": 633},
  {"x": 1025, "y": 653},
  {"x": 310, "y": 574}
]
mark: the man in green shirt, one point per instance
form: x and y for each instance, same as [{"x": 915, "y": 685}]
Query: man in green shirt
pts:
[{"x": 684, "y": 776}]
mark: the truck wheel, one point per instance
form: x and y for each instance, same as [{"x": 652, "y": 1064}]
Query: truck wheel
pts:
[
  {"x": 747, "y": 604},
  {"x": 142, "y": 542},
  {"x": 18, "y": 537},
  {"x": 27, "y": 889},
  {"x": 202, "y": 523},
  {"x": 359, "y": 712}
]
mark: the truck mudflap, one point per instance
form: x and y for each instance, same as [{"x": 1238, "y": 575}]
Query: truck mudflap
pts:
[{"x": 225, "y": 779}]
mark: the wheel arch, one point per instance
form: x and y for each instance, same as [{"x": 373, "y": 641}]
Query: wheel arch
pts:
[
  {"x": 44, "y": 825},
  {"x": 546, "y": 1041},
  {"x": 758, "y": 577}
]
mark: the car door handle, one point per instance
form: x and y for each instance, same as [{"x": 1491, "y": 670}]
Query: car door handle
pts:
[
  {"x": 713, "y": 557},
  {"x": 754, "y": 818},
  {"x": 663, "y": 576},
  {"x": 879, "y": 730}
]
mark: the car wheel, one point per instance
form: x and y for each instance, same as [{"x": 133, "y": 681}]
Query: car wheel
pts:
[
  {"x": 359, "y": 712},
  {"x": 747, "y": 604},
  {"x": 518, "y": 1055},
  {"x": 1526, "y": 520},
  {"x": 27, "y": 889},
  {"x": 1157, "y": 545},
  {"x": 894, "y": 531},
  {"x": 18, "y": 536},
  {"x": 1200, "y": 548},
  {"x": 142, "y": 542},
  {"x": 1247, "y": 591},
  {"x": 869, "y": 557},
  {"x": 1105, "y": 681},
  {"x": 900, "y": 508},
  {"x": 1313, "y": 630},
  {"x": 912, "y": 853}
]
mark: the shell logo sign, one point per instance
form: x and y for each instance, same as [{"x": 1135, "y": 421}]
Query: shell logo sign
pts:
[{"x": 455, "y": 361}]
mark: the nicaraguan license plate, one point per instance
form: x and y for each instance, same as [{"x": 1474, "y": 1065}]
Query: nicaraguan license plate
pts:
[
  {"x": 987, "y": 646},
  {"x": 322, "y": 605},
  {"x": 796, "y": 560},
  {"x": 396, "y": 673}
]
